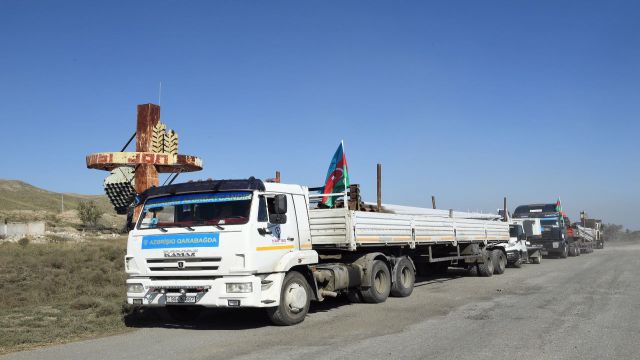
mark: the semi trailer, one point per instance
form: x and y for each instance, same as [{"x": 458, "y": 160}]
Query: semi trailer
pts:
[{"x": 250, "y": 243}]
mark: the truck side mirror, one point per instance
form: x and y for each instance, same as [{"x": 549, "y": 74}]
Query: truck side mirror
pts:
[
  {"x": 279, "y": 215},
  {"x": 280, "y": 204}
]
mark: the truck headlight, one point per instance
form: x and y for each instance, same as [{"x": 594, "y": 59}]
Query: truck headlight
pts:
[
  {"x": 239, "y": 287},
  {"x": 130, "y": 264},
  {"x": 135, "y": 288}
]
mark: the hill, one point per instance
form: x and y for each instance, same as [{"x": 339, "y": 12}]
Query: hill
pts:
[{"x": 18, "y": 195}]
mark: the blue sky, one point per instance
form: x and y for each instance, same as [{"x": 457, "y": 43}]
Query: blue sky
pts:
[{"x": 466, "y": 100}]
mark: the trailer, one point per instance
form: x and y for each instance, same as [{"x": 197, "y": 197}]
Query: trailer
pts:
[
  {"x": 249, "y": 243},
  {"x": 585, "y": 237}
]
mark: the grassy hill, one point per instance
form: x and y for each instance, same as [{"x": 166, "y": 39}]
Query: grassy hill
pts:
[{"x": 18, "y": 195}]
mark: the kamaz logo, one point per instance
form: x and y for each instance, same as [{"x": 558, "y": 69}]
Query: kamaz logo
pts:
[{"x": 179, "y": 253}]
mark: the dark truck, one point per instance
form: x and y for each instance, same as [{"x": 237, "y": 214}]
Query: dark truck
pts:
[{"x": 554, "y": 225}]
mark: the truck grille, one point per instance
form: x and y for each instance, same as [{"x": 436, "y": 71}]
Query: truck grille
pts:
[{"x": 188, "y": 264}]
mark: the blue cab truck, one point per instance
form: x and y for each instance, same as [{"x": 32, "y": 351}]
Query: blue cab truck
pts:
[{"x": 553, "y": 239}]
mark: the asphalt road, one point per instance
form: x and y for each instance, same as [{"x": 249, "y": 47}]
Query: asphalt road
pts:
[{"x": 579, "y": 308}]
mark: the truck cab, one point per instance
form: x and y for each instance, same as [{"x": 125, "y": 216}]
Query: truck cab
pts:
[{"x": 553, "y": 238}]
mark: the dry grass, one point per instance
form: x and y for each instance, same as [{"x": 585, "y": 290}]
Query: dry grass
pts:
[{"x": 59, "y": 292}]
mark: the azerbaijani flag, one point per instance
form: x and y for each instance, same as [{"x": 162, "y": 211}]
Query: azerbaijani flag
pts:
[{"x": 337, "y": 176}]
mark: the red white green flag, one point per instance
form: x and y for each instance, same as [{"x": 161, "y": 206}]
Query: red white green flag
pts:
[{"x": 337, "y": 180}]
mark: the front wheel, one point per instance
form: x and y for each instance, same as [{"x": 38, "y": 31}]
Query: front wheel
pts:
[
  {"x": 295, "y": 300},
  {"x": 565, "y": 252}
]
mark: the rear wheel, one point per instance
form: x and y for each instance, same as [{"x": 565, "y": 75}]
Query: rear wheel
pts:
[
  {"x": 486, "y": 267},
  {"x": 499, "y": 261},
  {"x": 295, "y": 299},
  {"x": 404, "y": 280},
  {"x": 380, "y": 281}
]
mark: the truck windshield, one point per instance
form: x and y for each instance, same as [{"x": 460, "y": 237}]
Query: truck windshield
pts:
[
  {"x": 188, "y": 210},
  {"x": 549, "y": 223}
]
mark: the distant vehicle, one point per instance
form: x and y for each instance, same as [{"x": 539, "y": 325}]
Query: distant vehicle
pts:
[{"x": 553, "y": 239}]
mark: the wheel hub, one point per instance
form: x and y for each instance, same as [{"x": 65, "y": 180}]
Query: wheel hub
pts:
[{"x": 295, "y": 297}]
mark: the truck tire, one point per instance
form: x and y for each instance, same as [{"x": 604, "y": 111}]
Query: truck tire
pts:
[
  {"x": 565, "y": 252},
  {"x": 404, "y": 280},
  {"x": 537, "y": 259},
  {"x": 485, "y": 269},
  {"x": 518, "y": 263},
  {"x": 573, "y": 251},
  {"x": 380, "y": 284},
  {"x": 578, "y": 252},
  {"x": 295, "y": 299},
  {"x": 499, "y": 261}
]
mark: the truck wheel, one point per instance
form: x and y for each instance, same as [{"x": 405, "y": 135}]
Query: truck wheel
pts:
[
  {"x": 183, "y": 313},
  {"x": 537, "y": 259},
  {"x": 294, "y": 301},
  {"x": 404, "y": 279},
  {"x": 380, "y": 284},
  {"x": 486, "y": 268},
  {"x": 518, "y": 263},
  {"x": 573, "y": 251},
  {"x": 499, "y": 261},
  {"x": 565, "y": 252},
  {"x": 578, "y": 252}
]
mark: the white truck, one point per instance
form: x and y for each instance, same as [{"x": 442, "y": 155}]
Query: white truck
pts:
[
  {"x": 247, "y": 243},
  {"x": 528, "y": 229}
]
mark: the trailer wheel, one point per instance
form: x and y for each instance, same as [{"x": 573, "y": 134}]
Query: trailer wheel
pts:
[
  {"x": 295, "y": 299},
  {"x": 404, "y": 279},
  {"x": 537, "y": 259},
  {"x": 380, "y": 284},
  {"x": 499, "y": 261},
  {"x": 485, "y": 269}
]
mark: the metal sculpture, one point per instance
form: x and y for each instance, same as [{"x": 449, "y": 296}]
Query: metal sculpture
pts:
[{"x": 134, "y": 172}]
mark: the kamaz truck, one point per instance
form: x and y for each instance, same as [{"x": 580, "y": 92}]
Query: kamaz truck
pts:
[
  {"x": 553, "y": 239},
  {"x": 249, "y": 243}
]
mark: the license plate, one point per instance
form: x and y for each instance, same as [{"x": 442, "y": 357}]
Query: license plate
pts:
[
  {"x": 556, "y": 245},
  {"x": 180, "y": 299}
]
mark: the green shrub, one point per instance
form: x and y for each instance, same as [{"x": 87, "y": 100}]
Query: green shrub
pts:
[
  {"x": 24, "y": 241},
  {"x": 89, "y": 213}
]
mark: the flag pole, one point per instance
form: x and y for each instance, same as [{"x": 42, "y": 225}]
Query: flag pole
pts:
[{"x": 344, "y": 156}]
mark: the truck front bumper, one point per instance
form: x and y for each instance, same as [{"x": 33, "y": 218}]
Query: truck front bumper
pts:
[{"x": 264, "y": 291}]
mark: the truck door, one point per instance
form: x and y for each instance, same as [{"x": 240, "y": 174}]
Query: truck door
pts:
[
  {"x": 304, "y": 232},
  {"x": 278, "y": 239}
]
